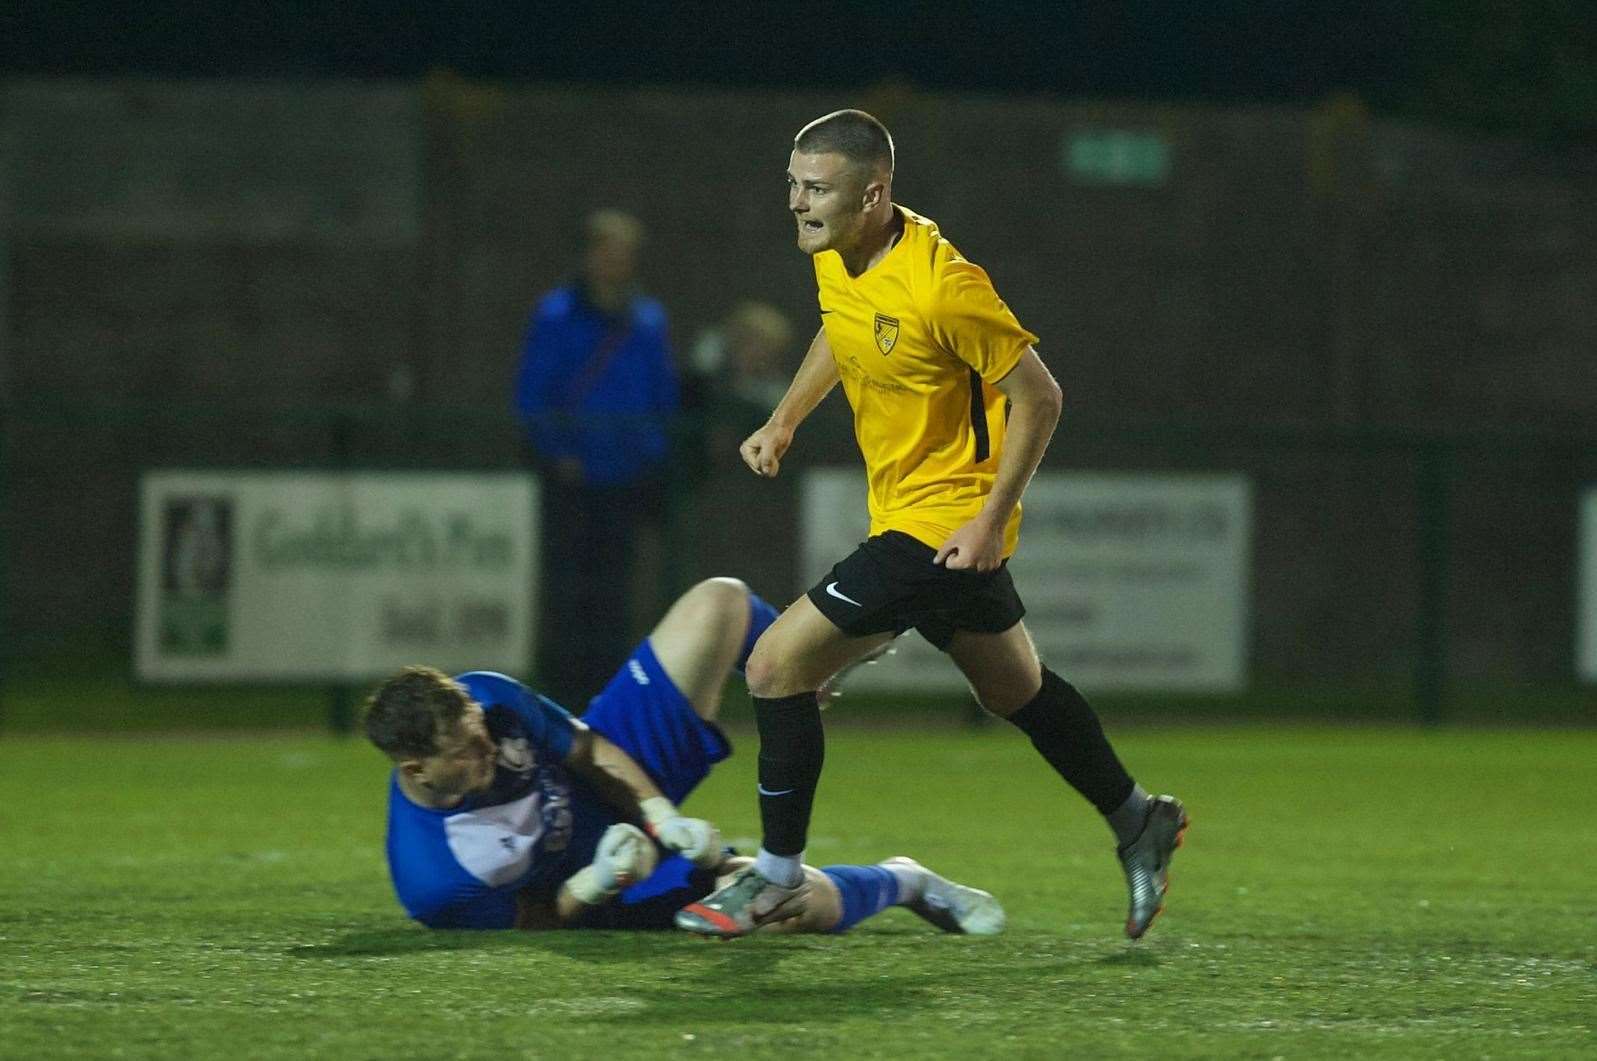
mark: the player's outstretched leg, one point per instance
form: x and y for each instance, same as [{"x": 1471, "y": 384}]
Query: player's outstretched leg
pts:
[
  {"x": 951, "y": 907},
  {"x": 1011, "y": 683},
  {"x": 840, "y": 897},
  {"x": 1065, "y": 730}
]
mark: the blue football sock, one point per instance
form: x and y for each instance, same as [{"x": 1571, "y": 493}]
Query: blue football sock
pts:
[
  {"x": 866, "y": 890},
  {"x": 761, "y": 616}
]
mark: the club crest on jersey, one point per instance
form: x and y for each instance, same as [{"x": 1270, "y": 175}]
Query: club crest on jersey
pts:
[{"x": 886, "y": 333}]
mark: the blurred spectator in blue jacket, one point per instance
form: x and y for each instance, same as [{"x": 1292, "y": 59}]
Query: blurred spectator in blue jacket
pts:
[{"x": 596, "y": 391}]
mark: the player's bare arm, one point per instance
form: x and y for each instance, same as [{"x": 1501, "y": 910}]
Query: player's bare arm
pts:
[
  {"x": 1035, "y": 403},
  {"x": 619, "y": 780},
  {"x": 627, "y": 787},
  {"x": 816, "y": 376}
]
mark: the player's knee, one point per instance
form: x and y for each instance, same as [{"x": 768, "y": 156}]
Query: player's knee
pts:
[
  {"x": 721, "y": 594},
  {"x": 728, "y": 590},
  {"x": 726, "y": 606},
  {"x": 764, "y": 671},
  {"x": 718, "y": 604}
]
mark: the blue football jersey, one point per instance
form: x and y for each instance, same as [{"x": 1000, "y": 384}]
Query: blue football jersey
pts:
[{"x": 533, "y": 827}]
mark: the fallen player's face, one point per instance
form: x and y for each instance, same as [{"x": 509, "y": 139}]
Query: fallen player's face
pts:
[
  {"x": 464, "y": 761},
  {"x": 822, "y": 195}
]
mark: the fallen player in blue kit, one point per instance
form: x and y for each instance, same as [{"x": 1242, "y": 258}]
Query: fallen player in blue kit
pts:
[{"x": 506, "y": 811}]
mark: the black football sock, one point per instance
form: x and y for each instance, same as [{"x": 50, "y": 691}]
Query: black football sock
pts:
[
  {"x": 1065, "y": 730},
  {"x": 792, "y": 750}
]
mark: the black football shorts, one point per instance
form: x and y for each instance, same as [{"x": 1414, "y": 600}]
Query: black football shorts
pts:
[{"x": 890, "y": 584}]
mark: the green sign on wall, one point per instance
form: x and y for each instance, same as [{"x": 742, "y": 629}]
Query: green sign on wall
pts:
[{"x": 1116, "y": 157}]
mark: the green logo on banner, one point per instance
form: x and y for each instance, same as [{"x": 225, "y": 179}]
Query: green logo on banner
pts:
[{"x": 196, "y": 575}]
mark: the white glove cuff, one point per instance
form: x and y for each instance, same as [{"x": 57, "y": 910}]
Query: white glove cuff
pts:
[
  {"x": 657, "y": 810},
  {"x": 587, "y": 889}
]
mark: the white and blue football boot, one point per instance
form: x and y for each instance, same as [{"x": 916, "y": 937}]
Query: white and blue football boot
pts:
[{"x": 953, "y": 907}]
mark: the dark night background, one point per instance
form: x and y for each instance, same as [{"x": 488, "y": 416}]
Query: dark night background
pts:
[
  {"x": 1365, "y": 276},
  {"x": 1529, "y": 66}
]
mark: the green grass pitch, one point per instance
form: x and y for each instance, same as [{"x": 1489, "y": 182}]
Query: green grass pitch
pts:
[{"x": 1343, "y": 892}]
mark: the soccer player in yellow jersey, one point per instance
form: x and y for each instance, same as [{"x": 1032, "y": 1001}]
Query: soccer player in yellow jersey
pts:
[{"x": 952, "y": 410}]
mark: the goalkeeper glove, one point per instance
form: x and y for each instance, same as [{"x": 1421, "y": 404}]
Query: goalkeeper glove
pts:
[
  {"x": 623, "y": 857},
  {"x": 693, "y": 838}
]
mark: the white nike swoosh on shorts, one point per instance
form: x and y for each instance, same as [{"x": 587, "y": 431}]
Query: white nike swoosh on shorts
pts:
[
  {"x": 767, "y": 792},
  {"x": 831, "y": 589}
]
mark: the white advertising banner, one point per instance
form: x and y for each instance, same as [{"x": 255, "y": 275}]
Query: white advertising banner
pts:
[
  {"x": 1586, "y": 605},
  {"x": 1131, "y": 581},
  {"x": 333, "y": 576}
]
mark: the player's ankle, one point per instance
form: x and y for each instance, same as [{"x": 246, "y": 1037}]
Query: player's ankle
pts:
[
  {"x": 786, "y": 871},
  {"x": 911, "y": 880},
  {"x": 1128, "y": 819}
]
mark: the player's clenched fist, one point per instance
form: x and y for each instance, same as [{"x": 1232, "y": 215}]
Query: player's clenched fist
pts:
[
  {"x": 624, "y": 857},
  {"x": 692, "y": 838},
  {"x": 763, "y": 450}
]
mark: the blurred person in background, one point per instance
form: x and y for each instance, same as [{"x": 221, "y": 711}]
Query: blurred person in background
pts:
[
  {"x": 735, "y": 372},
  {"x": 743, "y": 364},
  {"x": 952, "y": 411},
  {"x": 505, "y": 811},
  {"x": 596, "y": 390}
]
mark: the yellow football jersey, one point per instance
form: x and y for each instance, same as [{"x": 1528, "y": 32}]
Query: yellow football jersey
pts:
[{"x": 920, "y": 338}]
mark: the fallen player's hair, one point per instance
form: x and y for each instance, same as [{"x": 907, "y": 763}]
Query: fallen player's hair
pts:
[{"x": 408, "y": 711}]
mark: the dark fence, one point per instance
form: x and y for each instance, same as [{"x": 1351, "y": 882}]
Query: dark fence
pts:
[{"x": 1429, "y": 575}]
